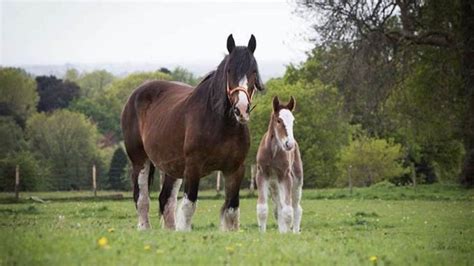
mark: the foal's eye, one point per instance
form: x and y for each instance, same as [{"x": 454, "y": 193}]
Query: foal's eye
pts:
[{"x": 279, "y": 121}]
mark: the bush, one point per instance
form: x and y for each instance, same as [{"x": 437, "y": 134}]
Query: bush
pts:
[{"x": 370, "y": 160}]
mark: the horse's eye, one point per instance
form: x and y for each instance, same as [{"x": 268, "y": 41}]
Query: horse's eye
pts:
[{"x": 279, "y": 121}]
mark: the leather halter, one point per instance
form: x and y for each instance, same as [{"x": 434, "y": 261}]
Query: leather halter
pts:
[{"x": 236, "y": 89}]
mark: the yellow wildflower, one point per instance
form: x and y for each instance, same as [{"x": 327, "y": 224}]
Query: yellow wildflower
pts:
[
  {"x": 373, "y": 259},
  {"x": 102, "y": 242},
  {"x": 230, "y": 249},
  {"x": 147, "y": 247},
  {"x": 111, "y": 230}
]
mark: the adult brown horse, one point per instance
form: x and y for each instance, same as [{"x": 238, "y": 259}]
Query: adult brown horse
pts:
[{"x": 188, "y": 133}]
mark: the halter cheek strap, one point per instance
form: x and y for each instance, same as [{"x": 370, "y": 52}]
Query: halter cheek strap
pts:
[{"x": 230, "y": 92}]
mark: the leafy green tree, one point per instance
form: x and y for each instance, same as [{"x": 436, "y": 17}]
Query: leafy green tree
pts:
[
  {"x": 94, "y": 83},
  {"x": 367, "y": 161},
  {"x": 118, "y": 178},
  {"x": 71, "y": 75},
  {"x": 11, "y": 137},
  {"x": 55, "y": 93},
  {"x": 18, "y": 96},
  {"x": 68, "y": 142}
]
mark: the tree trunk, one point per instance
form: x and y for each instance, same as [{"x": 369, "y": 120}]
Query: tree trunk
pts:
[{"x": 467, "y": 29}]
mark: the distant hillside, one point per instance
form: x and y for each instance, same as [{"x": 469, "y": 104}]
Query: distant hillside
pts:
[{"x": 268, "y": 69}]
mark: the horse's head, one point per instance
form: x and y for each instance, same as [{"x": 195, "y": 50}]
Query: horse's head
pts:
[
  {"x": 242, "y": 78},
  {"x": 282, "y": 123}
]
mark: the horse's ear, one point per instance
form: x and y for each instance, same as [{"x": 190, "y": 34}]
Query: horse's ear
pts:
[
  {"x": 230, "y": 43},
  {"x": 291, "y": 105},
  {"x": 252, "y": 44},
  {"x": 276, "y": 104}
]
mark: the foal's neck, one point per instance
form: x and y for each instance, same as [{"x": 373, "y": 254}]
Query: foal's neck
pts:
[{"x": 271, "y": 140}]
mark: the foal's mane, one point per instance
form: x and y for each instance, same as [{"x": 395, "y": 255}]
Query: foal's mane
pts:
[{"x": 212, "y": 89}]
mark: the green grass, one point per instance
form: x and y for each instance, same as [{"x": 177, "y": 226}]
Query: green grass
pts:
[{"x": 418, "y": 228}]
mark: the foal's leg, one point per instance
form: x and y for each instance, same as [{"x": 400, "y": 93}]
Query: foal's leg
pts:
[
  {"x": 230, "y": 213},
  {"x": 143, "y": 201},
  {"x": 298, "y": 211},
  {"x": 187, "y": 205},
  {"x": 168, "y": 199},
  {"x": 262, "y": 206},
  {"x": 285, "y": 215}
]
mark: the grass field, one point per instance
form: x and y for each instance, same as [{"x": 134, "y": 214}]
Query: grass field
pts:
[{"x": 433, "y": 225}]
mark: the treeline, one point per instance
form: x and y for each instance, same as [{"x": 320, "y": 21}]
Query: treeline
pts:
[
  {"x": 386, "y": 94},
  {"x": 56, "y": 129}
]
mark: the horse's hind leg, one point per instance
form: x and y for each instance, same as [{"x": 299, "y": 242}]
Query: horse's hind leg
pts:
[
  {"x": 168, "y": 199},
  {"x": 141, "y": 194}
]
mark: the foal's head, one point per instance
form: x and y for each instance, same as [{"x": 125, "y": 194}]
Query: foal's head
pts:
[
  {"x": 242, "y": 77},
  {"x": 282, "y": 123}
]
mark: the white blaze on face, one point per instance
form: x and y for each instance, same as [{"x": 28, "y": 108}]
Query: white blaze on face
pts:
[
  {"x": 242, "y": 102},
  {"x": 287, "y": 117}
]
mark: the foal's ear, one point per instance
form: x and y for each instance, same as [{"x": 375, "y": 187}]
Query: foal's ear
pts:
[
  {"x": 276, "y": 104},
  {"x": 291, "y": 105},
  {"x": 252, "y": 44},
  {"x": 230, "y": 43}
]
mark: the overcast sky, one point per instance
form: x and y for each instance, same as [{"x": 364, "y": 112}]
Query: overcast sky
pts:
[{"x": 46, "y": 32}]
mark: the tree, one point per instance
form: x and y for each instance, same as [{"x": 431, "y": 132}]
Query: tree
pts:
[
  {"x": 71, "y": 75},
  {"x": 18, "y": 96},
  {"x": 68, "y": 142},
  {"x": 11, "y": 137},
  {"x": 369, "y": 160},
  {"x": 388, "y": 44},
  {"x": 118, "y": 178},
  {"x": 94, "y": 83},
  {"x": 54, "y": 93}
]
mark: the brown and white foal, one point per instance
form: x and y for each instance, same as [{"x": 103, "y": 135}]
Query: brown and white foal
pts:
[{"x": 280, "y": 170}]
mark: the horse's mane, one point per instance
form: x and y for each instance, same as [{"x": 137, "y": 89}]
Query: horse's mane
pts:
[{"x": 212, "y": 89}]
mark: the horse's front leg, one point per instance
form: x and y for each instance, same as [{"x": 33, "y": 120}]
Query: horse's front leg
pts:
[
  {"x": 187, "y": 205},
  {"x": 230, "y": 213}
]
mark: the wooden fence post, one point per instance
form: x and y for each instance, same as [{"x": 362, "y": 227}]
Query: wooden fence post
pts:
[
  {"x": 218, "y": 183},
  {"x": 17, "y": 182},
  {"x": 94, "y": 184}
]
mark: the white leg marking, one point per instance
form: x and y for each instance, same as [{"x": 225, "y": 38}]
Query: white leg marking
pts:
[
  {"x": 184, "y": 214},
  {"x": 262, "y": 206},
  {"x": 298, "y": 211},
  {"x": 169, "y": 214},
  {"x": 230, "y": 219},
  {"x": 262, "y": 214},
  {"x": 143, "y": 203},
  {"x": 285, "y": 214}
]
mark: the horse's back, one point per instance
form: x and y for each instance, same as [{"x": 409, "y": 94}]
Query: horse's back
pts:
[{"x": 165, "y": 94}]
